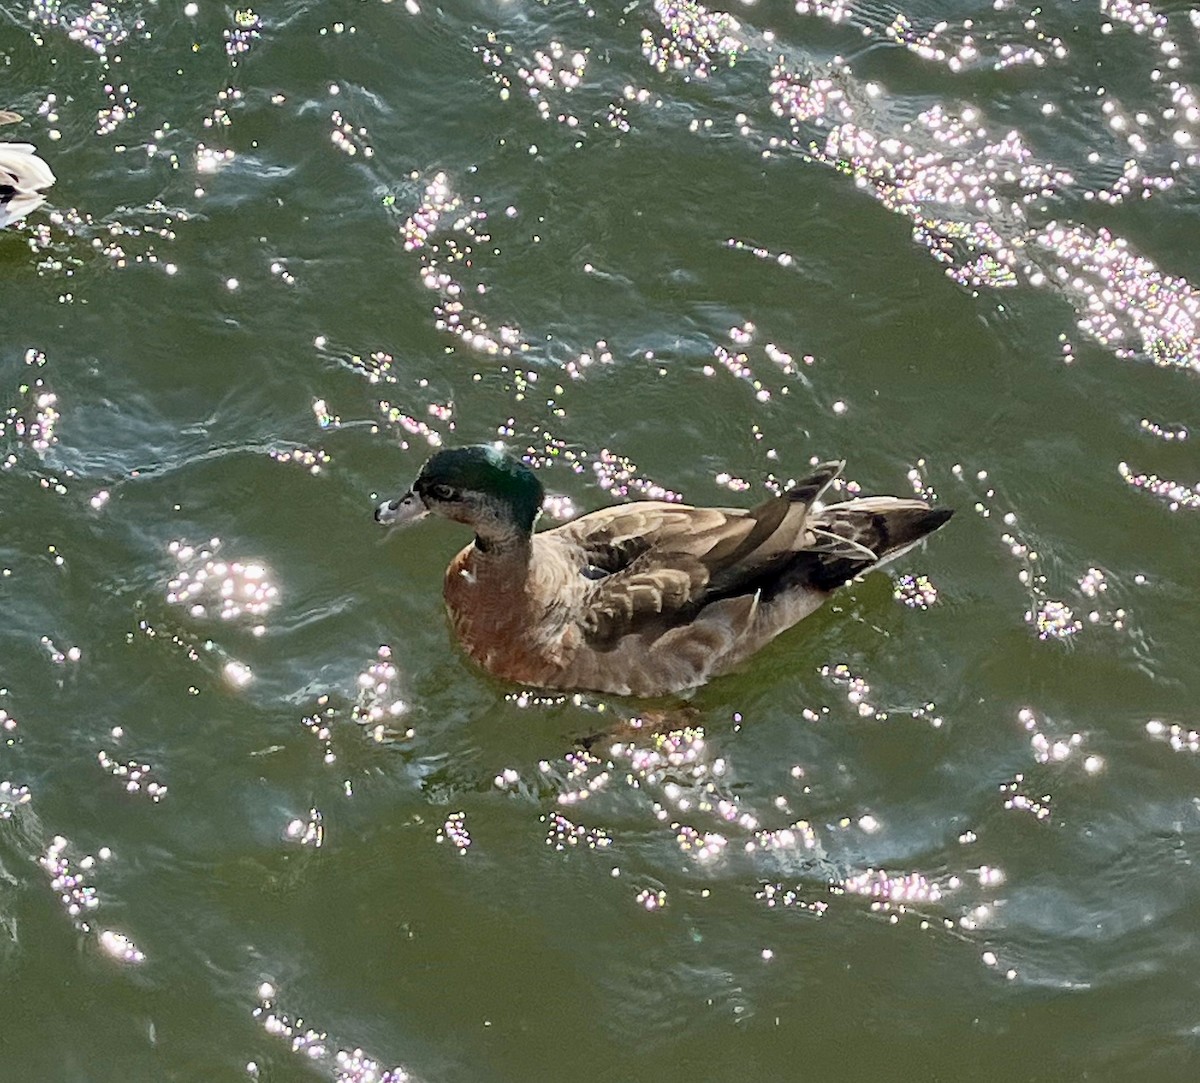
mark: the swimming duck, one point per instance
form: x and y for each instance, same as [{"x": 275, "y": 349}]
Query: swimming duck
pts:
[
  {"x": 647, "y": 598},
  {"x": 22, "y": 175}
]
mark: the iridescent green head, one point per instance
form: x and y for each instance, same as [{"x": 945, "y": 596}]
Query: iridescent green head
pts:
[{"x": 481, "y": 486}]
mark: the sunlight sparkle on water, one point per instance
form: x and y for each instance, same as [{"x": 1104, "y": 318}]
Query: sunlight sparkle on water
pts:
[
  {"x": 1050, "y": 618},
  {"x": 98, "y": 29},
  {"x": 619, "y": 475},
  {"x": 804, "y": 97},
  {"x": 444, "y": 231},
  {"x": 59, "y": 657},
  {"x": 1054, "y": 620},
  {"x": 33, "y": 424},
  {"x": 775, "y": 896},
  {"x": 210, "y": 587},
  {"x": 1093, "y": 584},
  {"x": 1179, "y": 738},
  {"x": 349, "y": 138},
  {"x": 209, "y": 160},
  {"x": 799, "y": 836},
  {"x": 704, "y": 846},
  {"x": 555, "y": 69},
  {"x": 396, "y": 417},
  {"x": 1176, "y": 495},
  {"x": 562, "y": 834},
  {"x": 246, "y": 30},
  {"x": 307, "y": 832},
  {"x": 915, "y": 591},
  {"x": 379, "y": 706},
  {"x": 136, "y": 777},
  {"x": 237, "y": 674},
  {"x": 311, "y": 459},
  {"x": 587, "y": 774},
  {"x": 858, "y": 695},
  {"x": 325, "y": 417},
  {"x": 1163, "y": 432},
  {"x": 1017, "y": 800},
  {"x": 507, "y": 779},
  {"x": 12, "y": 797},
  {"x": 120, "y": 947},
  {"x": 738, "y": 366},
  {"x": 966, "y": 190},
  {"x": 892, "y": 888},
  {"x": 69, "y": 881},
  {"x": 652, "y": 899},
  {"x": 834, "y": 11},
  {"x": 696, "y": 40},
  {"x": 314, "y": 1047},
  {"x": 959, "y": 49},
  {"x": 319, "y": 724},
  {"x": 454, "y": 830}
]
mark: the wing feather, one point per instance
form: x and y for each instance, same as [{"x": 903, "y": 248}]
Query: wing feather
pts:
[{"x": 663, "y": 563}]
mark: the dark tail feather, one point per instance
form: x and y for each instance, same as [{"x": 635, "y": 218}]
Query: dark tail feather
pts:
[
  {"x": 777, "y": 522},
  {"x": 860, "y": 535},
  {"x": 810, "y": 488}
]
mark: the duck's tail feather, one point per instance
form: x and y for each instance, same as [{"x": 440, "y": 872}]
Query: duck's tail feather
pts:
[
  {"x": 861, "y": 535},
  {"x": 809, "y": 489}
]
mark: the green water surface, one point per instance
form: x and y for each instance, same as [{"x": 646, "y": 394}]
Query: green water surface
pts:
[{"x": 903, "y": 843}]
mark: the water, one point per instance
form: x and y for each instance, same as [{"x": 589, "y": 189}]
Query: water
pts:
[{"x": 259, "y": 813}]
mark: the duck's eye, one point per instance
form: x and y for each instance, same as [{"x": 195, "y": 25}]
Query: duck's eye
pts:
[{"x": 443, "y": 492}]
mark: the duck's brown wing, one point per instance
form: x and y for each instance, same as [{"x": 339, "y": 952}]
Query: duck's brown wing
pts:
[{"x": 654, "y": 566}]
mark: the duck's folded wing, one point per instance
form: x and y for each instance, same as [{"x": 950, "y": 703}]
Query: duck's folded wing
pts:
[
  {"x": 659, "y": 564},
  {"x": 779, "y": 531},
  {"x": 645, "y": 563}
]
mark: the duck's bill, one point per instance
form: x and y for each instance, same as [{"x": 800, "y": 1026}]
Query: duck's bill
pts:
[{"x": 402, "y": 511}]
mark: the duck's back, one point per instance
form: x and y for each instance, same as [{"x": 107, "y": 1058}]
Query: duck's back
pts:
[{"x": 676, "y": 595}]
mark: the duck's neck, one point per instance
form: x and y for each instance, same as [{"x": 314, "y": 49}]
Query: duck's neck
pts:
[
  {"x": 496, "y": 579},
  {"x": 501, "y": 547}
]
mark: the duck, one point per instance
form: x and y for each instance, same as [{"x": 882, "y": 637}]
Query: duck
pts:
[
  {"x": 648, "y": 598},
  {"x": 22, "y": 177}
]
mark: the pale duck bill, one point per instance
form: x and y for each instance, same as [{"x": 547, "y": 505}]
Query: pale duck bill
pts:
[{"x": 406, "y": 509}]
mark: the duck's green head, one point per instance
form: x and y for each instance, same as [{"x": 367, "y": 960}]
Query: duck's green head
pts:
[{"x": 481, "y": 486}]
